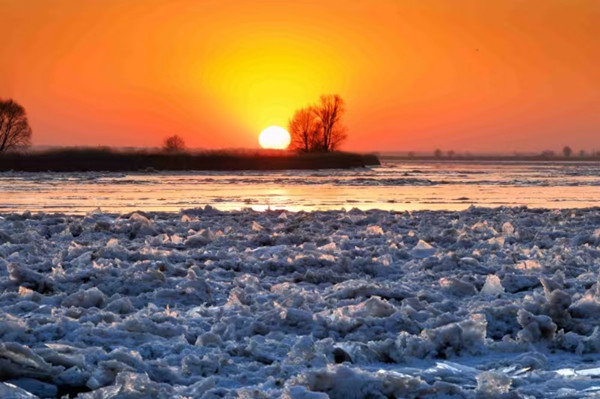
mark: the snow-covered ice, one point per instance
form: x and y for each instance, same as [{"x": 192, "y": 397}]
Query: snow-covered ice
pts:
[{"x": 483, "y": 303}]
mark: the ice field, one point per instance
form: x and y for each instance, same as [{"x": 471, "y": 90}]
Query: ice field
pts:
[{"x": 480, "y": 303}]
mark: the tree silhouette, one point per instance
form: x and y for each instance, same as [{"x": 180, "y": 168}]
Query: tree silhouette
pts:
[
  {"x": 329, "y": 111},
  {"x": 437, "y": 153},
  {"x": 567, "y": 151},
  {"x": 304, "y": 129},
  {"x": 14, "y": 126},
  {"x": 174, "y": 144},
  {"x": 319, "y": 128}
]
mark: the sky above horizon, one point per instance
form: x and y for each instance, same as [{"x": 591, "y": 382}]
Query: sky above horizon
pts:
[{"x": 463, "y": 75}]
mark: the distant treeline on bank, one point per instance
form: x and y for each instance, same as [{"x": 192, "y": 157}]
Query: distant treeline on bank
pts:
[
  {"x": 567, "y": 154},
  {"x": 86, "y": 160},
  {"x": 486, "y": 158}
]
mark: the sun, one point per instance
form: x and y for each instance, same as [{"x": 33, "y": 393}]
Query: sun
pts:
[{"x": 275, "y": 138}]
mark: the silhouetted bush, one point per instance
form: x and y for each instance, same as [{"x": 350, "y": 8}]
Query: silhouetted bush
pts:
[
  {"x": 567, "y": 151},
  {"x": 174, "y": 144}
]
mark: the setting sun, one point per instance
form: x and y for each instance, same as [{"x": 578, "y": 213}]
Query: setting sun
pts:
[{"x": 275, "y": 138}]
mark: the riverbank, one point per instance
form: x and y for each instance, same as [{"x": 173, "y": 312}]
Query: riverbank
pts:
[{"x": 100, "y": 160}]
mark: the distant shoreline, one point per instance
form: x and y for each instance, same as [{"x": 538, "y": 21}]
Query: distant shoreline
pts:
[
  {"x": 101, "y": 160},
  {"x": 487, "y": 158}
]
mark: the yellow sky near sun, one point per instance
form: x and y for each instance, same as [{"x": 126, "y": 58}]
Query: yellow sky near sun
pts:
[{"x": 463, "y": 74}]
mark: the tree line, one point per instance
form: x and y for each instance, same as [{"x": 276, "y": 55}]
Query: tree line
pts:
[
  {"x": 567, "y": 152},
  {"x": 314, "y": 128}
]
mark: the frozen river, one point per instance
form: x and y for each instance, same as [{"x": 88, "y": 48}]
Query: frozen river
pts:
[
  {"x": 392, "y": 186},
  {"x": 204, "y": 303}
]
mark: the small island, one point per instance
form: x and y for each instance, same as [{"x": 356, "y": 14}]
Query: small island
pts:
[{"x": 106, "y": 160}]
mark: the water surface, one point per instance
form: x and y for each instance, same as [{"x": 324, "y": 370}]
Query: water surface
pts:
[{"x": 392, "y": 186}]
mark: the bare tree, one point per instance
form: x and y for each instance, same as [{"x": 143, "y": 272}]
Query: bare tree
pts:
[
  {"x": 319, "y": 128},
  {"x": 567, "y": 151},
  {"x": 437, "y": 153},
  {"x": 304, "y": 129},
  {"x": 329, "y": 112},
  {"x": 174, "y": 144},
  {"x": 14, "y": 126}
]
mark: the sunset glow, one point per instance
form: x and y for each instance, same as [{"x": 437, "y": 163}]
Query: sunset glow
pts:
[{"x": 415, "y": 75}]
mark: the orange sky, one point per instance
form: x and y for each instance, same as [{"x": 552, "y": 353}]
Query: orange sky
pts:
[{"x": 477, "y": 75}]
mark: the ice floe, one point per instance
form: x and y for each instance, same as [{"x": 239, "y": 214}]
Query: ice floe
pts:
[{"x": 483, "y": 303}]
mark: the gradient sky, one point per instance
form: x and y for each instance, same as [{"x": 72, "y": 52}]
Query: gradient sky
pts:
[{"x": 476, "y": 75}]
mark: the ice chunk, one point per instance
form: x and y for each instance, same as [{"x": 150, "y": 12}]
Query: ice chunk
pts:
[
  {"x": 468, "y": 261},
  {"x": 519, "y": 282},
  {"x": 491, "y": 384},
  {"x": 39, "y": 388},
  {"x": 10, "y": 391},
  {"x": 61, "y": 354},
  {"x": 451, "y": 372},
  {"x": 257, "y": 226},
  {"x": 209, "y": 339},
  {"x": 579, "y": 344},
  {"x": 385, "y": 260},
  {"x": 131, "y": 385},
  {"x": 457, "y": 287},
  {"x": 508, "y": 229},
  {"x": 18, "y": 361},
  {"x": 73, "y": 377},
  {"x": 484, "y": 228},
  {"x": 529, "y": 265},
  {"x": 455, "y": 338},
  {"x": 593, "y": 372},
  {"x": 535, "y": 328},
  {"x": 372, "y": 307},
  {"x": 492, "y": 287},
  {"x": 341, "y": 356},
  {"x": 121, "y": 306},
  {"x": 196, "y": 365},
  {"x": 341, "y": 382},
  {"x": 139, "y": 218},
  {"x": 296, "y": 317},
  {"x": 299, "y": 392},
  {"x": 28, "y": 278},
  {"x": 587, "y": 307},
  {"x": 329, "y": 247},
  {"x": 374, "y": 230},
  {"x": 423, "y": 250},
  {"x": 558, "y": 302},
  {"x": 200, "y": 239},
  {"x": 92, "y": 297}
]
